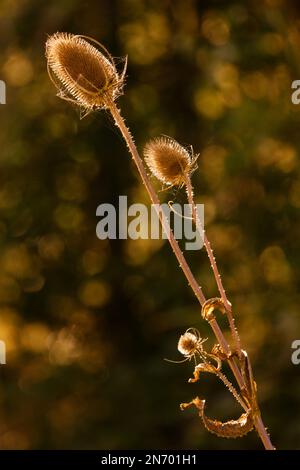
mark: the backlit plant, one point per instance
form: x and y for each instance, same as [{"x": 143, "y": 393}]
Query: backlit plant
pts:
[{"x": 85, "y": 74}]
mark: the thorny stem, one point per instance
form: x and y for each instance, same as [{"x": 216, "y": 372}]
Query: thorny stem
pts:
[
  {"x": 258, "y": 422},
  {"x": 259, "y": 425},
  {"x": 120, "y": 123},
  {"x": 213, "y": 263},
  {"x": 232, "y": 389},
  {"x": 262, "y": 432},
  {"x": 225, "y": 347}
]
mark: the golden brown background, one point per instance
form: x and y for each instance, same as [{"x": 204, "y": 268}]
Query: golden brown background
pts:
[{"x": 87, "y": 323}]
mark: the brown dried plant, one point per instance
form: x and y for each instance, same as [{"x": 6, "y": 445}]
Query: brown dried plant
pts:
[
  {"x": 85, "y": 74},
  {"x": 168, "y": 161}
]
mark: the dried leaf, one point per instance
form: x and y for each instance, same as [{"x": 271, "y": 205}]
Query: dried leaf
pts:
[{"x": 230, "y": 429}]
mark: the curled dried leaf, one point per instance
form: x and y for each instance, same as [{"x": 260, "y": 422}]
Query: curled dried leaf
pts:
[
  {"x": 210, "y": 368},
  {"x": 205, "y": 367},
  {"x": 210, "y": 306},
  {"x": 229, "y": 429}
]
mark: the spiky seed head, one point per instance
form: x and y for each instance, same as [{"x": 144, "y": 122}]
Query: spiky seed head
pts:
[
  {"x": 188, "y": 344},
  {"x": 168, "y": 160},
  {"x": 81, "y": 72}
]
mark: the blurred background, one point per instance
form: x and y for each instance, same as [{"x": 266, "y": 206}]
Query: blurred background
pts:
[{"x": 88, "y": 323}]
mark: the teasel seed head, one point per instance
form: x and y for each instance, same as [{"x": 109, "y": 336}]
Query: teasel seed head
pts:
[
  {"x": 190, "y": 343},
  {"x": 187, "y": 343},
  {"x": 168, "y": 160},
  {"x": 83, "y": 73}
]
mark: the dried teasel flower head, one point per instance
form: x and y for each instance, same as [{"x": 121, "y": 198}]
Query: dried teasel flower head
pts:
[
  {"x": 83, "y": 73},
  {"x": 169, "y": 161},
  {"x": 190, "y": 343}
]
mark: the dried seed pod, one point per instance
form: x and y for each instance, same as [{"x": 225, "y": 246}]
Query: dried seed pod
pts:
[
  {"x": 168, "y": 160},
  {"x": 82, "y": 73},
  {"x": 190, "y": 343},
  {"x": 230, "y": 429}
]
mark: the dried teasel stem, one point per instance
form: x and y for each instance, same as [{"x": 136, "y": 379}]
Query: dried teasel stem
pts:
[
  {"x": 208, "y": 314},
  {"x": 262, "y": 432},
  {"x": 87, "y": 77},
  {"x": 213, "y": 263},
  {"x": 191, "y": 345},
  {"x": 231, "y": 388},
  {"x": 120, "y": 123},
  {"x": 258, "y": 423},
  {"x": 208, "y": 367}
]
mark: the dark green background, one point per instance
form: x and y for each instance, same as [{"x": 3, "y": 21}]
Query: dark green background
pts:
[{"x": 87, "y": 323}]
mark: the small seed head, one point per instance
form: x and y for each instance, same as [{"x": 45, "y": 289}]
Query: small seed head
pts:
[
  {"x": 188, "y": 344},
  {"x": 81, "y": 72},
  {"x": 168, "y": 160}
]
